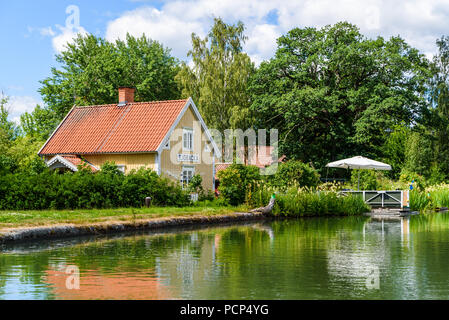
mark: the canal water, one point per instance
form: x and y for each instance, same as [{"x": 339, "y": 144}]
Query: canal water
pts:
[{"x": 315, "y": 258}]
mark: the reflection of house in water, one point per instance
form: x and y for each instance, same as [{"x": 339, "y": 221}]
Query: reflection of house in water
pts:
[{"x": 94, "y": 285}]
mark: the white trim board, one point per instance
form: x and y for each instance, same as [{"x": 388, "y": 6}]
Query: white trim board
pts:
[
  {"x": 65, "y": 162},
  {"x": 188, "y": 104}
]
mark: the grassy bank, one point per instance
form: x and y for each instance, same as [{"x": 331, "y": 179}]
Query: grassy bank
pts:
[
  {"x": 298, "y": 202},
  {"x": 21, "y": 218}
]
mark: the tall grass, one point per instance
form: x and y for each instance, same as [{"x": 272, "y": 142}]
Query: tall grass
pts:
[
  {"x": 432, "y": 197},
  {"x": 299, "y": 202},
  {"x": 419, "y": 201}
]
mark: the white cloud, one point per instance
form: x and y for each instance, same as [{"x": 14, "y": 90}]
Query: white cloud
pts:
[
  {"x": 66, "y": 36},
  {"x": 420, "y": 23},
  {"x": 261, "y": 42},
  {"x": 18, "y": 105},
  {"x": 157, "y": 25}
]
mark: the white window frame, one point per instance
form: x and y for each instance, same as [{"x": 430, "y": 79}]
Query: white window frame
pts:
[
  {"x": 189, "y": 145},
  {"x": 187, "y": 169},
  {"x": 121, "y": 167}
]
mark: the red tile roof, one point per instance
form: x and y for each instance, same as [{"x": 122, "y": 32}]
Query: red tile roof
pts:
[
  {"x": 75, "y": 160},
  {"x": 135, "y": 127}
]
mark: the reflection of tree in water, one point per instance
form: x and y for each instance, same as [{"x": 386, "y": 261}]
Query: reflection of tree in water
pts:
[
  {"x": 289, "y": 259},
  {"x": 271, "y": 260}
]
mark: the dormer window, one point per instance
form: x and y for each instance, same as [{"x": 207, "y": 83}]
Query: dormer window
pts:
[{"x": 187, "y": 139}]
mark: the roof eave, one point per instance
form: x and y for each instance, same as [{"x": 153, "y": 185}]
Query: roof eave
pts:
[{"x": 57, "y": 128}]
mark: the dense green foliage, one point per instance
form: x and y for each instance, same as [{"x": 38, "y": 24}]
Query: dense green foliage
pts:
[
  {"x": 297, "y": 202},
  {"x": 92, "y": 69},
  {"x": 105, "y": 189},
  {"x": 295, "y": 187},
  {"x": 294, "y": 173},
  {"x": 17, "y": 152},
  {"x": 196, "y": 186},
  {"x": 439, "y": 92},
  {"x": 40, "y": 123},
  {"x": 429, "y": 198},
  {"x": 333, "y": 93},
  {"x": 364, "y": 179},
  {"x": 236, "y": 181},
  {"x": 218, "y": 80}
]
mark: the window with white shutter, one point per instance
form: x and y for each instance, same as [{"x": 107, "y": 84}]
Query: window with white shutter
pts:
[{"x": 187, "y": 139}]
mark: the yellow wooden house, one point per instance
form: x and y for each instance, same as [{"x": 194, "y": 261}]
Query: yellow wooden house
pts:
[{"x": 169, "y": 137}]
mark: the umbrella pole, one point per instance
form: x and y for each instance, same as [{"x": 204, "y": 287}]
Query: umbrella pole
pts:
[{"x": 358, "y": 180}]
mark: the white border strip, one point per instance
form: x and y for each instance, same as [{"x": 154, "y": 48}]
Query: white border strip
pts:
[{"x": 65, "y": 162}]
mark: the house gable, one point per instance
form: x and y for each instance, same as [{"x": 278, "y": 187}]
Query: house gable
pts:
[
  {"x": 190, "y": 105},
  {"x": 199, "y": 159}
]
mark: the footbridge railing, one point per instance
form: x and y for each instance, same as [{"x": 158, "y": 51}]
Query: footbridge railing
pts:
[{"x": 384, "y": 198}]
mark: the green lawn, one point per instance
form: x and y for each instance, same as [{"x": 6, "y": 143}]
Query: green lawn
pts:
[{"x": 18, "y": 218}]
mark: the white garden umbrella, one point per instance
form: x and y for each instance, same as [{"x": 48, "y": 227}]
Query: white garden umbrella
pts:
[{"x": 359, "y": 162}]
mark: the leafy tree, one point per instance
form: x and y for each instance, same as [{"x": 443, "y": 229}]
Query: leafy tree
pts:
[
  {"x": 22, "y": 153},
  {"x": 218, "y": 79},
  {"x": 295, "y": 172},
  {"x": 394, "y": 149},
  {"x": 332, "y": 93},
  {"x": 195, "y": 184},
  {"x": 8, "y": 133},
  {"x": 7, "y": 164},
  {"x": 364, "y": 179},
  {"x": 8, "y": 127},
  {"x": 439, "y": 89},
  {"x": 236, "y": 181},
  {"x": 92, "y": 69},
  {"x": 419, "y": 153},
  {"x": 39, "y": 124}
]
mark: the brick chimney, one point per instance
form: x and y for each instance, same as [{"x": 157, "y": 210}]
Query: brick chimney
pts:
[{"x": 125, "y": 95}]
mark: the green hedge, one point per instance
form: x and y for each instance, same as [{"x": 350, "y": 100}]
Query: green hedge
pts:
[{"x": 84, "y": 190}]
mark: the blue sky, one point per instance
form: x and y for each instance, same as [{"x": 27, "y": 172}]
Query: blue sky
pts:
[{"x": 33, "y": 31}]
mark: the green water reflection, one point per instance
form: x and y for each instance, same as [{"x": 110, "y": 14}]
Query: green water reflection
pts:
[{"x": 319, "y": 258}]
